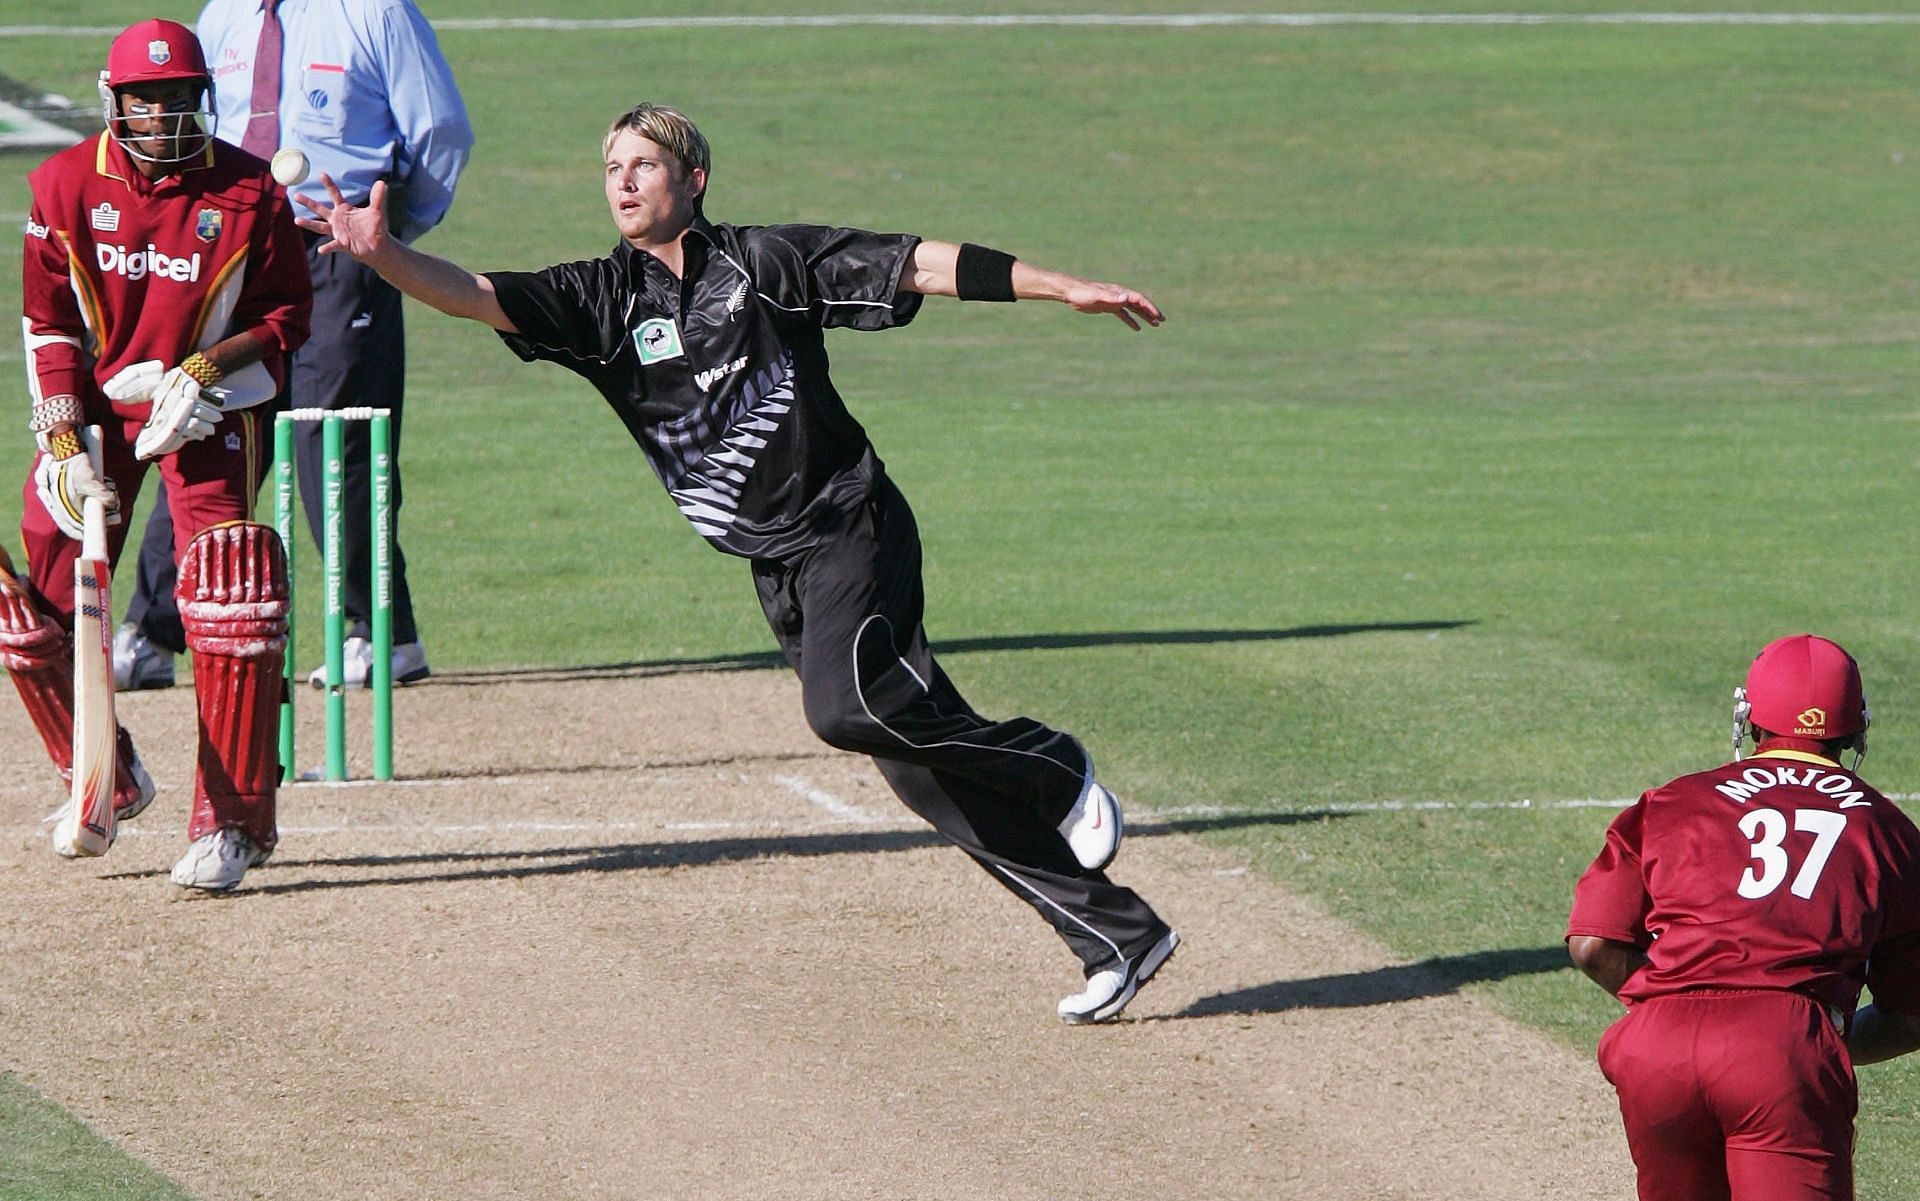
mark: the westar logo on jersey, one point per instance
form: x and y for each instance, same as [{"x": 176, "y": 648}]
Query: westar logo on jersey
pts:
[
  {"x": 707, "y": 378},
  {"x": 138, "y": 264}
]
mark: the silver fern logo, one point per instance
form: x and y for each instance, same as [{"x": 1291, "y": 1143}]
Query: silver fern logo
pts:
[{"x": 737, "y": 301}]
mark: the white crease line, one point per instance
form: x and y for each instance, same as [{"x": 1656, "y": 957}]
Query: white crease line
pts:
[
  {"x": 512, "y": 827},
  {"x": 146, "y": 830},
  {"x": 1336, "y": 807},
  {"x": 1423, "y": 806},
  {"x": 307, "y": 781},
  {"x": 1383, "y": 807},
  {"x": 838, "y": 814},
  {"x": 1170, "y": 20},
  {"x": 312, "y": 777},
  {"x": 1199, "y": 20},
  {"x": 306, "y": 785},
  {"x": 843, "y": 814},
  {"x": 825, "y": 800}
]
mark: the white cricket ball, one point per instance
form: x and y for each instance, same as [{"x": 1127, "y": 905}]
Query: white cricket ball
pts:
[{"x": 289, "y": 167}]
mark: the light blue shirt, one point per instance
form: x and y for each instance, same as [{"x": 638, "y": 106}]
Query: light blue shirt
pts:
[{"x": 364, "y": 91}]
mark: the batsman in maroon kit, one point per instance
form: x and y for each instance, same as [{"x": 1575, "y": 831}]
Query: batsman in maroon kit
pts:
[
  {"x": 164, "y": 285},
  {"x": 1738, "y": 912}
]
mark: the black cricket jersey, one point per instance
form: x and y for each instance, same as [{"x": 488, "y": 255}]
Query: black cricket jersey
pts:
[{"x": 722, "y": 377}]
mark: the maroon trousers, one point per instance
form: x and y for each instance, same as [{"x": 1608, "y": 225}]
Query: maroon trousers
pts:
[
  {"x": 210, "y": 482},
  {"x": 1735, "y": 1096}
]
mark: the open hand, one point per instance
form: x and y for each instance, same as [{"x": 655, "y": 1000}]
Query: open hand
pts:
[
  {"x": 359, "y": 230},
  {"x": 1088, "y": 296}
]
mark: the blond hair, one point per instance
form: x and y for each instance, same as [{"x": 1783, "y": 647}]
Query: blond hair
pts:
[{"x": 668, "y": 128}]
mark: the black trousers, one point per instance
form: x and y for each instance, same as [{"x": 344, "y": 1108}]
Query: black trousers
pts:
[
  {"x": 356, "y": 356},
  {"x": 847, "y": 615}
]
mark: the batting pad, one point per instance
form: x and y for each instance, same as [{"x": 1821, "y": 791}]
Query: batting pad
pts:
[
  {"x": 233, "y": 604},
  {"x": 39, "y": 657}
]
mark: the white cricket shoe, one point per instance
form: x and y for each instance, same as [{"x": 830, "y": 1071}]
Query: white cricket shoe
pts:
[
  {"x": 138, "y": 663},
  {"x": 1092, "y": 826},
  {"x": 1108, "y": 992},
  {"x": 215, "y": 862},
  {"x": 409, "y": 664},
  {"x": 63, "y": 830}
]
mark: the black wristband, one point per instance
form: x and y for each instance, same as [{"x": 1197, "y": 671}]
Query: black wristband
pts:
[{"x": 982, "y": 274}]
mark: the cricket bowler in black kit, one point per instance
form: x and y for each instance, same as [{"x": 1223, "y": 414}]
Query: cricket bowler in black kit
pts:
[{"x": 707, "y": 340}]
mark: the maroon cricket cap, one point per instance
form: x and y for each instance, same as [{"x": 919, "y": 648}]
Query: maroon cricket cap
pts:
[
  {"x": 1806, "y": 687},
  {"x": 155, "y": 49}
]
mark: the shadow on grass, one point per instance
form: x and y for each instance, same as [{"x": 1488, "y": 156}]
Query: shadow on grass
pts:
[
  {"x": 1381, "y": 986},
  {"x": 764, "y": 660},
  {"x": 459, "y": 865}
]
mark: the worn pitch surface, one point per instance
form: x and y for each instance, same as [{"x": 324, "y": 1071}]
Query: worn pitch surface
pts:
[{"x": 644, "y": 937}]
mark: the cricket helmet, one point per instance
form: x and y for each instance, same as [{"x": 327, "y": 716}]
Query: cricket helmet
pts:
[
  {"x": 153, "y": 51},
  {"x": 1803, "y": 686}
]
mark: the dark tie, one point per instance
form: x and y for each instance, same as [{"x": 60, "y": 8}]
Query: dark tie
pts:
[{"x": 263, "y": 124}]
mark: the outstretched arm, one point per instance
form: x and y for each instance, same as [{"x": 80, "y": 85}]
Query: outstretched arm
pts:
[
  {"x": 934, "y": 271},
  {"x": 361, "y": 232}
]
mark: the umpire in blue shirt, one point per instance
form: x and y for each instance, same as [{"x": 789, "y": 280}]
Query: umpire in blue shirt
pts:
[{"x": 361, "y": 87}]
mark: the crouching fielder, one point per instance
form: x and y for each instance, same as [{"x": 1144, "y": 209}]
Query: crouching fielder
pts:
[
  {"x": 164, "y": 285},
  {"x": 708, "y": 340},
  {"x": 1737, "y": 912}
]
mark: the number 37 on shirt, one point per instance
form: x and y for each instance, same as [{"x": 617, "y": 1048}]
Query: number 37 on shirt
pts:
[{"x": 1767, "y": 830}]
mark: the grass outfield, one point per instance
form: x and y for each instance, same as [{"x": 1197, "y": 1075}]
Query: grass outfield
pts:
[
  {"x": 47, "y": 1156},
  {"x": 1519, "y": 383}
]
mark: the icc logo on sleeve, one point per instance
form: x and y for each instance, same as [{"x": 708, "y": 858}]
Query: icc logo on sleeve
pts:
[{"x": 657, "y": 340}]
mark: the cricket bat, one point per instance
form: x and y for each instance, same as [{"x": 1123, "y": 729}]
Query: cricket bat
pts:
[{"x": 87, "y": 823}]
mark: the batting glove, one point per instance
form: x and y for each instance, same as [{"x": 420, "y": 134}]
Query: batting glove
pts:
[
  {"x": 242, "y": 389},
  {"x": 136, "y": 383},
  {"x": 65, "y": 483},
  {"x": 179, "y": 416}
]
